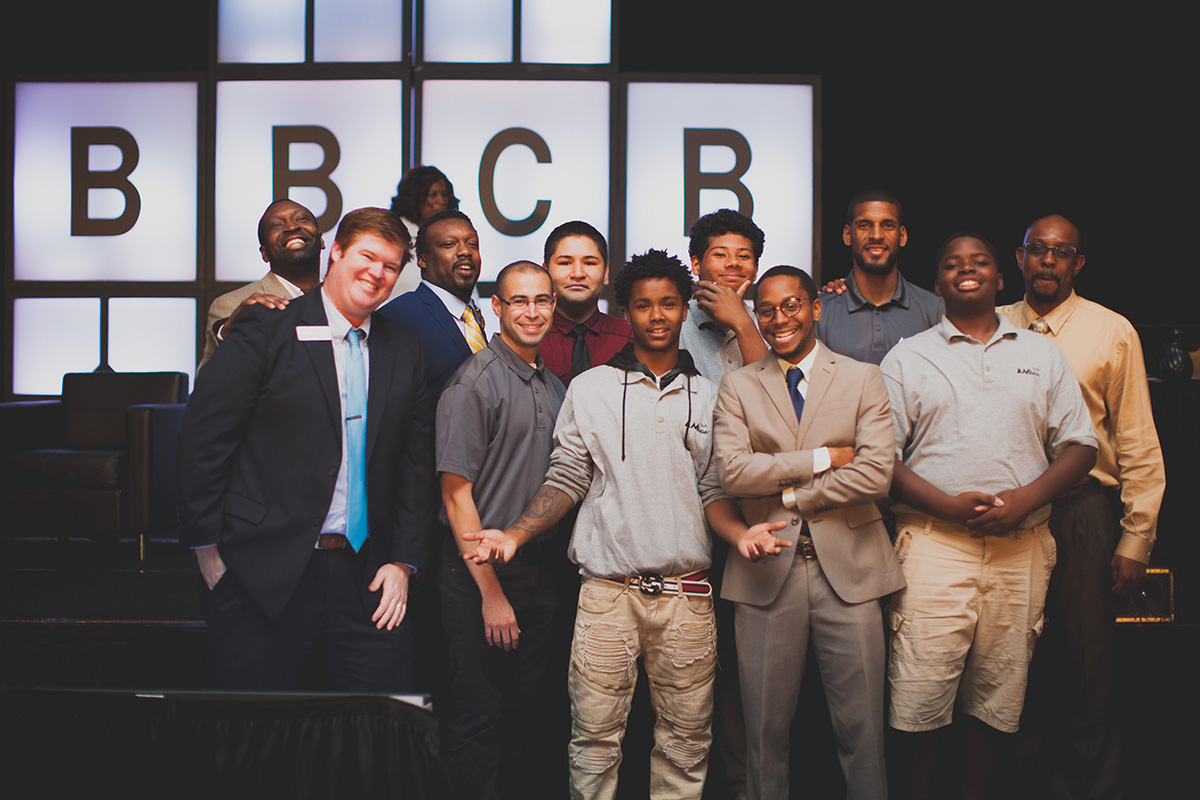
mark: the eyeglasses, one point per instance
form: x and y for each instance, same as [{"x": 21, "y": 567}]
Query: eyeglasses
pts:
[
  {"x": 1061, "y": 251},
  {"x": 790, "y": 308},
  {"x": 541, "y": 302}
]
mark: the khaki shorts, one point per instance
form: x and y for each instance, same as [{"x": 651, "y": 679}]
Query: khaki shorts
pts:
[{"x": 966, "y": 624}]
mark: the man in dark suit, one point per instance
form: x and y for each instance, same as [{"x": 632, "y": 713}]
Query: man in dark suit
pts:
[
  {"x": 804, "y": 437},
  {"x": 307, "y": 520},
  {"x": 441, "y": 310}
]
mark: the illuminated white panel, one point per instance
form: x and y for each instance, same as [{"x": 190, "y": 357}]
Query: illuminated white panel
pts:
[
  {"x": 260, "y": 31},
  {"x": 152, "y": 334},
  {"x": 361, "y": 119},
  {"x": 557, "y": 32},
  {"x": 51, "y": 337},
  {"x": 155, "y": 124},
  {"x": 469, "y": 31},
  {"x": 570, "y": 118},
  {"x": 776, "y": 124},
  {"x": 358, "y": 30}
]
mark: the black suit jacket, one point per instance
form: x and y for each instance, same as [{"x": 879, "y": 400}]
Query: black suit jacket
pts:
[
  {"x": 261, "y": 444},
  {"x": 422, "y": 312}
]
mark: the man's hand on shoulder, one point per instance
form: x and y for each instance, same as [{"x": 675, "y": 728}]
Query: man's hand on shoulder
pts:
[
  {"x": 256, "y": 299},
  {"x": 835, "y": 286},
  {"x": 392, "y": 579}
]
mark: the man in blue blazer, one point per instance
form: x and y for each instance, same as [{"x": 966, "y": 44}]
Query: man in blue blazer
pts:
[
  {"x": 441, "y": 310},
  {"x": 270, "y": 485}
]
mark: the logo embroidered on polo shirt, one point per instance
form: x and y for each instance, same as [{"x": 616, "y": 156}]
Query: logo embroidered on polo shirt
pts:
[{"x": 1029, "y": 371}]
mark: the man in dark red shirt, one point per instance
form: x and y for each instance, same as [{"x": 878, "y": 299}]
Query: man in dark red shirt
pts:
[{"x": 581, "y": 336}]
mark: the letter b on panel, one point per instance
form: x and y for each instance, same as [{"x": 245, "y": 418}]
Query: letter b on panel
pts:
[
  {"x": 329, "y": 145},
  {"x": 105, "y": 181},
  {"x": 684, "y": 160}
]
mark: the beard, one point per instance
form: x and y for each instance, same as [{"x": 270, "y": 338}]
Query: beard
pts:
[
  {"x": 308, "y": 256},
  {"x": 1044, "y": 296},
  {"x": 870, "y": 268}
]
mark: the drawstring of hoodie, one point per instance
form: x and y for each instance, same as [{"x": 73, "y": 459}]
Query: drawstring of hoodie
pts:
[
  {"x": 624, "y": 392},
  {"x": 627, "y": 362},
  {"x": 688, "y": 426}
]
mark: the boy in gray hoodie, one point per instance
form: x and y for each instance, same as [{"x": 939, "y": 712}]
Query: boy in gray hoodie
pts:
[{"x": 634, "y": 443}]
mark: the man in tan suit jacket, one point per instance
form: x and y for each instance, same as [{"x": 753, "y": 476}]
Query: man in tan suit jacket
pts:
[
  {"x": 290, "y": 241},
  {"x": 817, "y": 464}
]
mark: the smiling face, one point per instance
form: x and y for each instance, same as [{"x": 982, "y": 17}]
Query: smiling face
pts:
[
  {"x": 968, "y": 276},
  {"x": 728, "y": 260},
  {"x": 579, "y": 274},
  {"x": 289, "y": 237},
  {"x": 656, "y": 313},
  {"x": 523, "y": 329},
  {"x": 789, "y": 337},
  {"x": 452, "y": 261},
  {"x": 361, "y": 277},
  {"x": 875, "y": 237},
  {"x": 1050, "y": 278}
]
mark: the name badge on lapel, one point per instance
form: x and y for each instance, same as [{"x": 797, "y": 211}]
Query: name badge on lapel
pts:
[{"x": 313, "y": 333}]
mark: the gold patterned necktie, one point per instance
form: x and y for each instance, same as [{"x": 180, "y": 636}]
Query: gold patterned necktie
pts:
[
  {"x": 475, "y": 338},
  {"x": 1039, "y": 326}
]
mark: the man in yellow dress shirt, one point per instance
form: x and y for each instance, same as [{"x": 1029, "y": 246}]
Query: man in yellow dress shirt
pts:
[{"x": 1104, "y": 527}]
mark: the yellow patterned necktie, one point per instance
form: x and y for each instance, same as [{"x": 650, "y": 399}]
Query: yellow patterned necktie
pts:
[
  {"x": 475, "y": 339},
  {"x": 1039, "y": 325}
]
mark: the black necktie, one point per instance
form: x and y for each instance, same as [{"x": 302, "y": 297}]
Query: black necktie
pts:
[
  {"x": 794, "y": 376},
  {"x": 581, "y": 360}
]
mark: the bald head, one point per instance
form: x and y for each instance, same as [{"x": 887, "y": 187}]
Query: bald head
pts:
[
  {"x": 290, "y": 241},
  {"x": 1050, "y": 258},
  {"x": 519, "y": 268}
]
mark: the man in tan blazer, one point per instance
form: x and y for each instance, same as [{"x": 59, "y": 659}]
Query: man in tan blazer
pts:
[
  {"x": 813, "y": 450},
  {"x": 290, "y": 241}
]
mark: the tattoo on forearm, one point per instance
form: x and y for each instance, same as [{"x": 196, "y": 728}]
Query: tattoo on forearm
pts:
[{"x": 546, "y": 508}]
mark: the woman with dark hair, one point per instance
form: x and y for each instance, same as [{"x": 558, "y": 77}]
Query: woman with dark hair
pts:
[{"x": 421, "y": 193}]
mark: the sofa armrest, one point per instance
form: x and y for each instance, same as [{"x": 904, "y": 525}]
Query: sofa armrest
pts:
[
  {"x": 152, "y": 432},
  {"x": 31, "y": 425}
]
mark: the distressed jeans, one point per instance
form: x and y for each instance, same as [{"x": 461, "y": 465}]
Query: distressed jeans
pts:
[{"x": 675, "y": 635}]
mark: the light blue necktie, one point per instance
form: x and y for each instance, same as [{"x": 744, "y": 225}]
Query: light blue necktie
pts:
[{"x": 356, "y": 443}]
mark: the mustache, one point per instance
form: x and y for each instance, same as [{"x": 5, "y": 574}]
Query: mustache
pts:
[{"x": 1046, "y": 275}]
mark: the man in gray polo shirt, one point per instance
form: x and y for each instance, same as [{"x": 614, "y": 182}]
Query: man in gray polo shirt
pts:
[
  {"x": 990, "y": 427},
  {"x": 495, "y": 426},
  {"x": 874, "y": 307}
]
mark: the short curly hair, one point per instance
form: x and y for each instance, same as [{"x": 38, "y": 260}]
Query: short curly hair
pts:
[
  {"x": 652, "y": 264},
  {"x": 413, "y": 188},
  {"x": 719, "y": 223}
]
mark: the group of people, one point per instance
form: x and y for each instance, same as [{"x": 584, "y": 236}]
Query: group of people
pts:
[{"x": 884, "y": 475}]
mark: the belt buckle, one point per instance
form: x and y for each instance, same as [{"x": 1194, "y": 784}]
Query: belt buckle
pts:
[{"x": 650, "y": 584}]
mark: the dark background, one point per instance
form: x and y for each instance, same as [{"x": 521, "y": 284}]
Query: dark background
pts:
[{"x": 981, "y": 118}]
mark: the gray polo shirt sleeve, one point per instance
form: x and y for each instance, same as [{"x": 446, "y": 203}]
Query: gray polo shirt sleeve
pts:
[
  {"x": 571, "y": 463},
  {"x": 893, "y": 376},
  {"x": 464, "y": 419},
  {"x": 1068, "y": 422}
]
